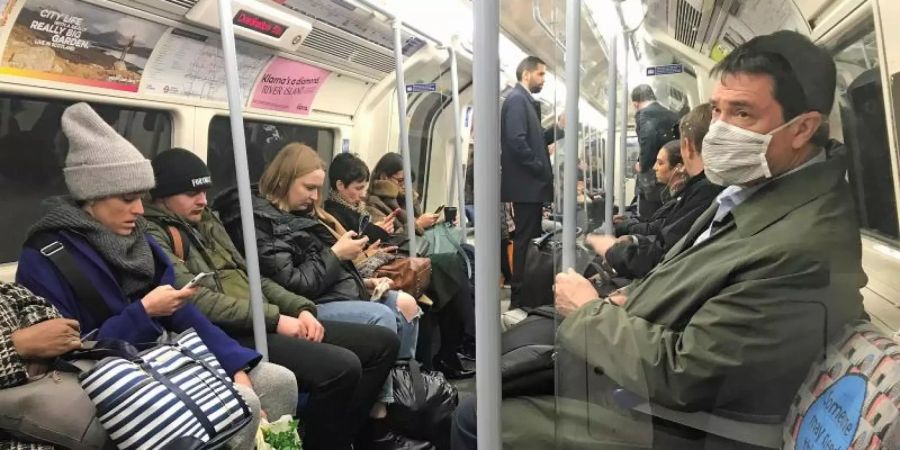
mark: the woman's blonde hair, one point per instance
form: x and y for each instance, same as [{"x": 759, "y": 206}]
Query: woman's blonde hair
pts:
[{"x": 293, "y": 161}]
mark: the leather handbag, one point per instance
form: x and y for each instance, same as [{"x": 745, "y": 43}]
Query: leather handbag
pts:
[
  {"x": 411, "y": 275},
  {"x": 53, "y": 409}
]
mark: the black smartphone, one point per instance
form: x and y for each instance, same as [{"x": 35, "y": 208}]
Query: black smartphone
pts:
[{"x": 439, "y": 209}]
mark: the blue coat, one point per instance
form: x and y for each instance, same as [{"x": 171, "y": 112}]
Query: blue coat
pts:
[
  {"x": 129, "y": 321},
  {"x": 526, "y": 174}
]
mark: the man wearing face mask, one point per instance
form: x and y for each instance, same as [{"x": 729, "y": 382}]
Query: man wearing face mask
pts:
[
  {"x": 526, "y": 172},
  {"x": 732, "y": 318}
]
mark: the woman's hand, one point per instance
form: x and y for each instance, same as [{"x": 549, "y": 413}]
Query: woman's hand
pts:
[
  {"x": 426, "y": 221},
  {"x": 166, "y": 300},
  {"x": 348, "y": 248},
  {"x": 387, "y": 224},
  {"x": 47, "y": 339}
]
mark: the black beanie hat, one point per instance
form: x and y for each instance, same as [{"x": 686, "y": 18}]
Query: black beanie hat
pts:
[{"x": 178, "y": 171}]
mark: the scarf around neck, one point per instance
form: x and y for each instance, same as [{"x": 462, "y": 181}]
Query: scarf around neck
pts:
[
  {"x": 359, "y": 208},
  {"x": 130, "y": 257}
]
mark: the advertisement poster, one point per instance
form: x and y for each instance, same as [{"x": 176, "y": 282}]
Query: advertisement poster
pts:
[
  {"x": 191, "y": 64},
  {"x": 75, "y": 42},
  {"x": 288, "y": 86}
]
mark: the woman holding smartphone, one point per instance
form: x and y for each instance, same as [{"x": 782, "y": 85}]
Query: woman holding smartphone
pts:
[
  {"x": 308, "y": 252},
  {"x": 449, "y": 285}
]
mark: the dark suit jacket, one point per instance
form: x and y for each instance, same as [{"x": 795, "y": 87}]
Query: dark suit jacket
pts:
[
  {"x": 654, "y": 128},
  {"x": 526, "y": 171}
]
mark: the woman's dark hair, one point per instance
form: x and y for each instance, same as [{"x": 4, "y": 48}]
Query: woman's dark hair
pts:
[
  {"x": 673, "y": 152},
  {"x": 388, "y": 165},
  {"x": 347, "y": 168}
]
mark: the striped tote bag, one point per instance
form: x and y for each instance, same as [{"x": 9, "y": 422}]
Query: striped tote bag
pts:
[{"x": 174, "y": 395}]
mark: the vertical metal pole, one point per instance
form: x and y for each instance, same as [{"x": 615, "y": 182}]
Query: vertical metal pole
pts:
[
  {"x": 573, "y": 92},
  {"x": 622, "y": 157},
  {"x": 586, "y": 155},
  {"x": 486, "y": 66},
  {"x": 235, "y": 106},
  {"x": 404, "y": 137},
  {"x": 586, "y": 158},
  {"x": 612, "y": 83},
  {"x": 457, "y": 141}
]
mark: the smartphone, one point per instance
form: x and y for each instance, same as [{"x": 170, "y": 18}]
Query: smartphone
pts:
[
  {"x": 197, "y": 279},
  {"x": 440, "y": 208},
  {"x": 89, "y": 335},
  {"x": 363, "y": 224}
]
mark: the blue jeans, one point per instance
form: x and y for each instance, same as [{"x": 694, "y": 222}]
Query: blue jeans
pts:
[{"x": 383, "y": 313}]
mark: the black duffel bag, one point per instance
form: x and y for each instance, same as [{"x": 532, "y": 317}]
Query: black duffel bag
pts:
[
  {"x": 423, "y": 404},
  {"x": 543, "y": 261}
]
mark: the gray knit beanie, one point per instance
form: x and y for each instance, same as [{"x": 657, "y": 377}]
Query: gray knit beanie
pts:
[{"x": 100, "y": 162}]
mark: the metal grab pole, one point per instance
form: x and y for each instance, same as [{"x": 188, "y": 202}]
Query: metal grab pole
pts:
[
  {"x": 458, "y": 171},
  {"x": 486, "y": 66},
  {"x": 610, "y": 149},
  {"x": 623, "y": 139},
  {"x": 235, "y": 106},
  {"x": 404, "y": 137},
  {"x": 573, "y": 92}
]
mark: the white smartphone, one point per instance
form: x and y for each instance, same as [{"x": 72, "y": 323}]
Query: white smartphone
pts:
[{"x": 200, "y": 276}]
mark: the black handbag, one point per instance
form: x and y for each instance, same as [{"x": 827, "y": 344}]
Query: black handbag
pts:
[{"x": 543, "y": 261}]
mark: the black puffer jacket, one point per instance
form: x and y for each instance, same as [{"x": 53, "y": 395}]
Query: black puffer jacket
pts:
[
  {"x": 668, "y": 226},
  {"x": 294, "y": 250}
]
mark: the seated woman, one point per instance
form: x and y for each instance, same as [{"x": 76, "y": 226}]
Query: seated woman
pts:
[
  {"x": 643, "y": 244},
  {"x": 449, "y": 287},
  {"x": 306, "y": 251},
  {"x": 31, "y": 332},
  {"x": 101, "y": 228},
  {"x": 327, "y": 358}
]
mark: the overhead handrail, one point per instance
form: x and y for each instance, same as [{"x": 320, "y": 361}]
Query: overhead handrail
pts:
[
  {"x": 536, "y": 14},
  {"x": 235, "y": 102},
  {"x": 381, "y": 10}
]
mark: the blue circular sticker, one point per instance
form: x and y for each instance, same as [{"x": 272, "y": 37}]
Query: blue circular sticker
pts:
[{"x": 832, "y": 419}]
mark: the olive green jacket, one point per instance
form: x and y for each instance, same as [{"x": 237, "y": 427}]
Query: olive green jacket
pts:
[
  {"x": 734, "y": 323},
  {"x": 225, "y": 297}
]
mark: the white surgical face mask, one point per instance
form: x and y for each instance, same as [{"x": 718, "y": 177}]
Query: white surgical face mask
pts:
[{"x": 733, "y": 155}]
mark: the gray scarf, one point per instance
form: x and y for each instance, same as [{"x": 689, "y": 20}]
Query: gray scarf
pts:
[{"x": 130, "y": 257}]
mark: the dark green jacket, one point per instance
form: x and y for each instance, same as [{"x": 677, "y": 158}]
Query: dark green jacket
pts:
[
  {"x": 735, "y": 322},
  {"x": 223, "y": 298}
]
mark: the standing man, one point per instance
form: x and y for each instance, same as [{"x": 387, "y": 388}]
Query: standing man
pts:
[
  {"x": 654, "y": 124},
  {"x": 526, "y": 172}
]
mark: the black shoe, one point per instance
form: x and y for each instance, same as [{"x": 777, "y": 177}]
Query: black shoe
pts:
[{"x": 452, "y": 369}]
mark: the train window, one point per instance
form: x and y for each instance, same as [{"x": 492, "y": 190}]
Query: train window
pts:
[
  {"x": 33, "y": 152},
  {"x": 264, "y": 141},
  {"x": 863, "y": 125}
]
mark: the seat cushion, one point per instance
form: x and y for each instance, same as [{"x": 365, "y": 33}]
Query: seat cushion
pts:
[{"x": 851, "y": 398}]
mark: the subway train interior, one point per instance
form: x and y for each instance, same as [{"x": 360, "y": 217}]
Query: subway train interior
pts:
[{"x": 787, "y": 336}]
